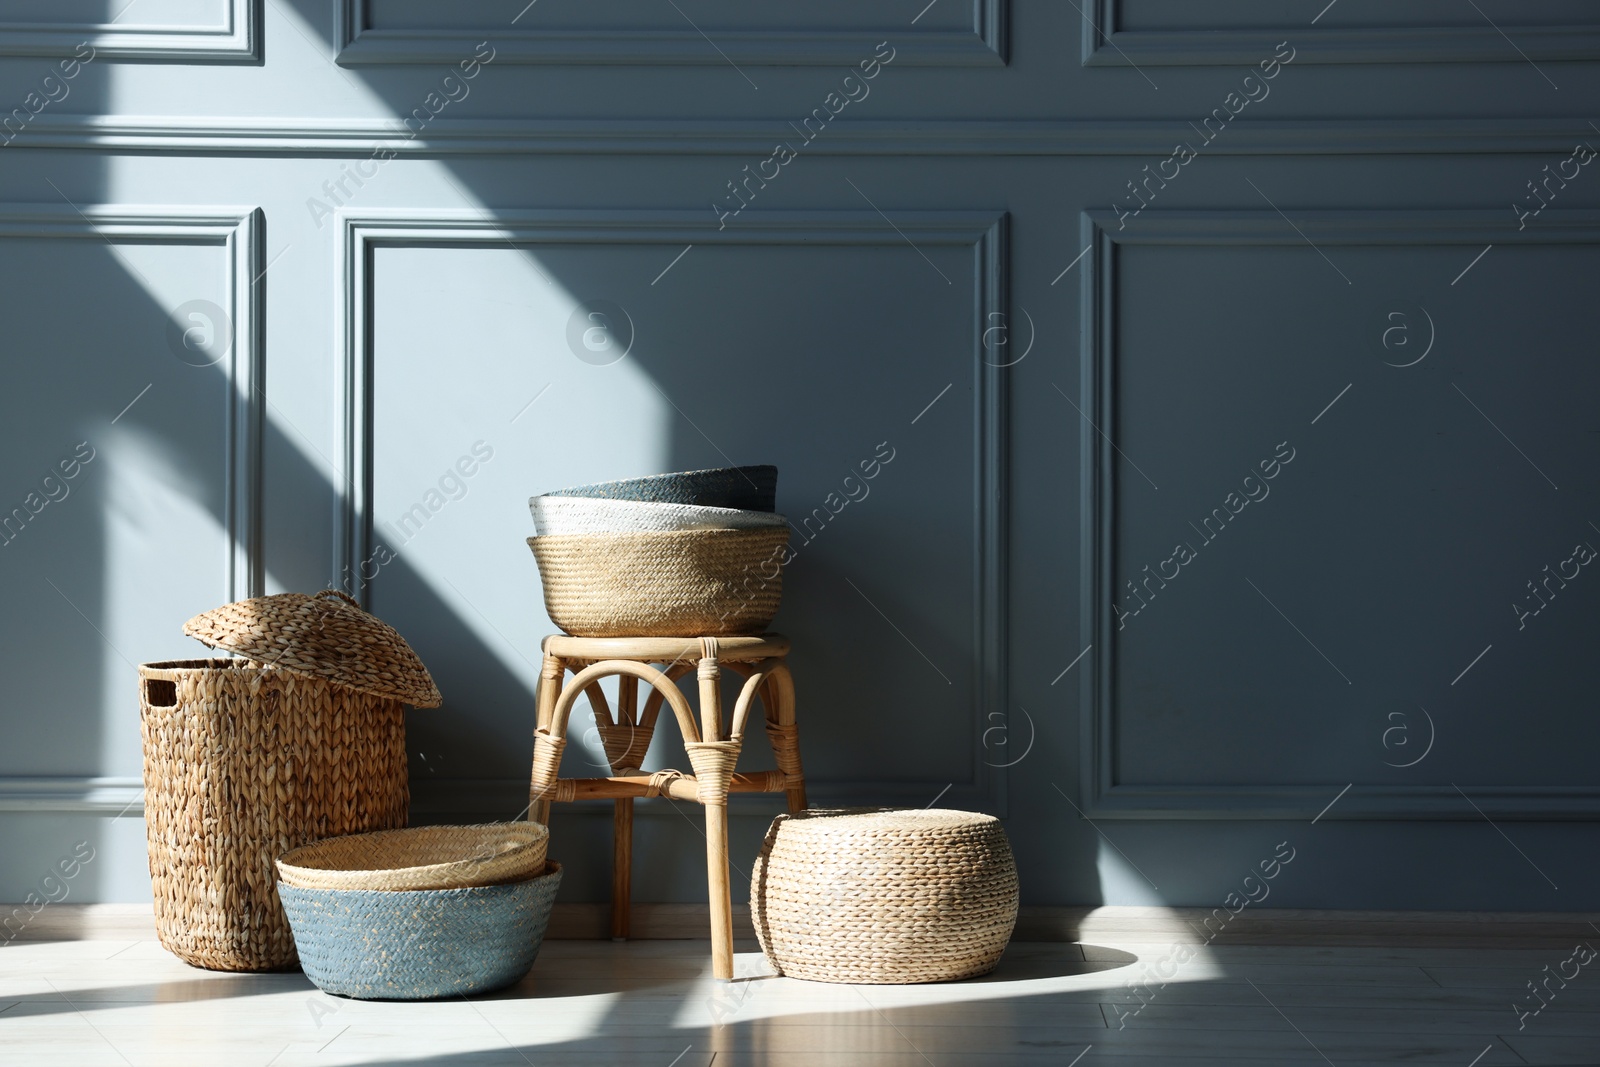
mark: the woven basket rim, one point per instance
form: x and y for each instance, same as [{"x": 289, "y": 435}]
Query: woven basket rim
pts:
[
  {"x": 513, "y": 849},
  {"x": 622, "y": 537},
  {"x": 906, "y": 820},
  {"x": 667, "y": 475},
  {"x": 571, "y": 509},
  {"x": 234, "y": 663},
  {"x": 551, "y": 869}
]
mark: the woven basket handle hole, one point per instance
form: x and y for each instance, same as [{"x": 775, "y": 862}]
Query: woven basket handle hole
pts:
[
  {"x": 346, "y": 597},
  {"x": 160, "y": 693}
]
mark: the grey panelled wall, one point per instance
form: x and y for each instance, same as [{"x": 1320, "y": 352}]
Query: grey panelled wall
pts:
[{"x": 1225, "y": 372}]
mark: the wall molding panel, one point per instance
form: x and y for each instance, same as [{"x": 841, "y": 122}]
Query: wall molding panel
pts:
[
  {"x": 239, "y": 232},
  {"x": 984, "y": 44},
  {"x": 1105, "y": 45},
  {"x": 986, "y": 234},
  {"x": 72, "y": 796},
  {"x": 954, "y": 137},
  {"x": 235, "y": 39},
  {"x": 1102, "y": 796}
]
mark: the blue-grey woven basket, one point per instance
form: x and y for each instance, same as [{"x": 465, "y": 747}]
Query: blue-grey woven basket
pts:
[
  {"x": 742, "y": 488},
  {"x": 419, "y": 944}
]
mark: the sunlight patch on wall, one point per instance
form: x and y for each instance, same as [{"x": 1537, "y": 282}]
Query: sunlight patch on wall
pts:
[
  {"x": 479, "y": 402},
  {"x": 1121, "y": 881},
  {"x": 166, "y": 560}
]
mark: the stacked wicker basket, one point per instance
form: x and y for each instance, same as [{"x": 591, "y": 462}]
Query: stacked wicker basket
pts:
[
  {"x": 693, "y": 554},
  {"x": 432, "y": 911},
  {"x": 301, "y": 738}
]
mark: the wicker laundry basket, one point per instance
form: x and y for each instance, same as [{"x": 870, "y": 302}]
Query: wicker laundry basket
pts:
[
  {"x": 882, "y": 897},
  {"x": 663, "y": 583},
  {"x": 245, "y": 759}
]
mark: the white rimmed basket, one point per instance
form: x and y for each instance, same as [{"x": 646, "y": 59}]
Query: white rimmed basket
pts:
[{"x": 557, "y": 516}]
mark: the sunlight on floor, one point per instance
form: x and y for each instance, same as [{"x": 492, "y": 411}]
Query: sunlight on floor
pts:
[{"x": 1414, "y": 994}]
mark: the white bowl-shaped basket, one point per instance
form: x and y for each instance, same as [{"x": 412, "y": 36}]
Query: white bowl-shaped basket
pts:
[{"x": 556, "y": 516}]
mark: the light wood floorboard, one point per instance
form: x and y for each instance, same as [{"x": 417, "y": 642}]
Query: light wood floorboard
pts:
[{"x": 97, "y": 988}]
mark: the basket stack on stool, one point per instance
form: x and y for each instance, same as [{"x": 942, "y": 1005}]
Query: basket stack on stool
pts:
[
  {"x": 882, "y": 897},
  {"x": 302, "y": 739},
  {"x": 414, "y": 914},
  {"x": 693, "y": 554}
]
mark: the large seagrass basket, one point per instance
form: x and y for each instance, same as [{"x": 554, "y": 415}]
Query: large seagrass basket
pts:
[
  {"x": 245, "y": 759},
  {"x": 882, "y": 897},
  {"x": 663, "y": 583}
]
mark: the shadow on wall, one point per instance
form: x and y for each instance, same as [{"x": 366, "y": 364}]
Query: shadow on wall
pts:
[{"x": 54, "y": 413}]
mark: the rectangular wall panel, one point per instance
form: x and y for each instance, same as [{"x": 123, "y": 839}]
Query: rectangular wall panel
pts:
[
  {"x": 133, "y": 500},
  {"x": 187, "y": 30},
  {"x": 1258, "y": 624},
  {"x": 953, "y": 33},
  {"x": 515, "y": 303},
  {"x": 1180, "y": 33}
]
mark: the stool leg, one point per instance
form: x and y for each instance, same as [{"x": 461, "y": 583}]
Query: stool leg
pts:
[
  {"x": 710, "y": 674},
  {"x": 714, "y": 796},
  {"x": 621, "y": 869},
  {"x": 718, "y": 891},
  {"x": 549, "y": 691},
  {"x": 785, "y": 736},
  {"x": 622, "y": 815}
]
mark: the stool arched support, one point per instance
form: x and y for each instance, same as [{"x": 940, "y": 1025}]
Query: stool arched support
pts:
[
  {"x": 713, "y": 753},
  {"x": 589, "y": 677}
]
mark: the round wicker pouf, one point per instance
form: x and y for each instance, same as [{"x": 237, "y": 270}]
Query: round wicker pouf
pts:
[{"x": 884, "y": 897}]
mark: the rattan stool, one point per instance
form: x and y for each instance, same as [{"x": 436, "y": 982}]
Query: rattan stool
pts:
[{"x": 626, "y": 738}]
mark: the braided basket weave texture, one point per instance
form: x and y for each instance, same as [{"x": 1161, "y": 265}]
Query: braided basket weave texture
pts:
[
  {"x": 420, "y": 944},
  {"x": 677, "y": 583},
  {"x": 324, "y": 635},
  {"x": 241, "y": 764},
  {"x": 422, "y": 857},
  {"x": 884, "y": 897}
]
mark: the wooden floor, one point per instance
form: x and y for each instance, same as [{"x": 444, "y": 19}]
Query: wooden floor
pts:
[{"x": 1315, "y": 991}]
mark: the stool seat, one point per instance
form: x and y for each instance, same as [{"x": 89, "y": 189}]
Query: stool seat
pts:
[
  {"x": 713, "y": 752},
  {"x": 664, "y": 649}
]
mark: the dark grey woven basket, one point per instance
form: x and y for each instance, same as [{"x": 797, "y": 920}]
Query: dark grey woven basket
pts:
[
  {"x": 420, "y": 944},
  {"x": 742, "y": 488}
]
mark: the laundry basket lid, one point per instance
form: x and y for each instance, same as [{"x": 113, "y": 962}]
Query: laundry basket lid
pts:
[{"x": 324, "y": 635}]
